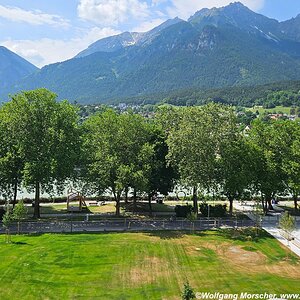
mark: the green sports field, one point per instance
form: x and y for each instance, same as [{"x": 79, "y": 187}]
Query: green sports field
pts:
[{"x": 143, "y": 265}]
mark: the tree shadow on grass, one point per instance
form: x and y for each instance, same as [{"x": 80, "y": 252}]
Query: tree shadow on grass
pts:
[
  {"x": 143, "y": 207},
  {"x": 19, "y": 243},
  {"x": 168, "y": 235},
  {"x": 243, "y": 234}
]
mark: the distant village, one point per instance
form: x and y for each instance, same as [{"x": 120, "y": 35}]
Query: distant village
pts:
[{"x": 148, "y": 110}]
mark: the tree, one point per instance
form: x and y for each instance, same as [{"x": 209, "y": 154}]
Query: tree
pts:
[
  {"x": 287, "y": 223},
  {"x": 19, "y": 212},
  {"x": 257, "y": 213},
  {"x": 48, "y": 138},
  {"x": 289, "y": 139},
  {"x": 269, "y": 176},
  {"x": 11, "y": 161},
  {"x": 234, "y": 166},
  {"x": 194, "y": 144},
  {"x": 6, "y": 222},
  {"x": 114, "y": 145},
  {"x": 159, "y": 177}
]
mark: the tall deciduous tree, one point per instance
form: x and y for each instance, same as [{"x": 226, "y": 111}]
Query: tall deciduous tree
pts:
[
  {"x": 194, "y": 144},
  {"x": 235, "y": 168},
  {"x": 48, "y": 139},
  {"x": 11, "y": 161},
  {"x": 159, "y": 177},
  {"x": 114, "y": 144},
  {"x": 270, "y": 177},
  {"x": 288, "y": 138}
]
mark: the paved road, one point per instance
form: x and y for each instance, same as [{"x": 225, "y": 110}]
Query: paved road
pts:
[{"x": 271, "y": 225}]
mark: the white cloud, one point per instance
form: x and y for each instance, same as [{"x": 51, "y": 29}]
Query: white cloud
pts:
[
  {"x": 158, "y": 2},
  {"x": 186, "y": 8},
  {"x": 45, "y": 51},
  {"x": 36, "y": 17},
  {"x": 112, "y": 12},
  {"x": 148, "y": 25}
]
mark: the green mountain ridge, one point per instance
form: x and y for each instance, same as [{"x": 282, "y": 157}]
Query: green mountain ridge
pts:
[
  {"x": 216, "y": 48},
  {"x": 246, "y": 96},
  {"x": 13, "y": 68}
]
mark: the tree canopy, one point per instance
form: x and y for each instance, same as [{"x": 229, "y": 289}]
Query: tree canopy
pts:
[{"x": 44, "y": 137}]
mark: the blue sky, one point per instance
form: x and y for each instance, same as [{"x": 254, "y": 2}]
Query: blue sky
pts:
[{"x": 48, "y": 31}]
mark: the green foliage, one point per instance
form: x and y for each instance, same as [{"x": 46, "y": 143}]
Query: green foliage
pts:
[
  {"x": 288, "y": 133},
  {"x": 188, "y": 292},
  {"x": 287, "y": 223},
  {"x": 218, "y": 210},
  {"x": 267, "y": 158},
  {"x": 7, "y": 218},
  {"x": 122, "y": 151},
  {"x": 20, "y": 211},
  {"x": 195, "y": 141},
  {"x": 246, "y": 96},
  {"x": 246, "y": 234},
  {"x": 2, "y": 212},
  {"x": 42, "y": 142},
  {"x": 192, "y": 216},
  {"x": 182, "y": 211},
  {"x": 258, "y": 214},
  {"x": 196, "y": 136},
  {"x": 11, "y": 157},
  {"x": 43, "y": 135},
  {"x": 234, "y": 166}
]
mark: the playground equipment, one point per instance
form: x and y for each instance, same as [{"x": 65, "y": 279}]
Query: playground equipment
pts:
[{"x": 75, "y": 201}]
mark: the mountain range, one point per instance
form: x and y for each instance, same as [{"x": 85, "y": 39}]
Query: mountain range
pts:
[
  {"x": 218, "y": 47},
  {"x": 13, "y": 68}
]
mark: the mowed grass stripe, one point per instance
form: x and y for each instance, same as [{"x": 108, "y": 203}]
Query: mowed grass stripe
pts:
[{"x": 142, "y": 265}]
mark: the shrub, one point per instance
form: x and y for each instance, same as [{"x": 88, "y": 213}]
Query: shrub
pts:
[
  {"x": 20, "y": 211},
  {"x": 6, "y": 222},
  {"x": 214, "y": 211},
  {"x": 192, "y": 216},
  {"x": 188, "y": 293},
  {"x": 183, "y": 210},
  {"x": 287, "y": 223}
]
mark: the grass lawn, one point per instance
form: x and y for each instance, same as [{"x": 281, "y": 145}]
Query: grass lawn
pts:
[
  {"x": 108, "y": 208},
  {"x": 277, "y": 109},
  {"x": 62, "y": 209},
  {"x": 143, "y": 265}
]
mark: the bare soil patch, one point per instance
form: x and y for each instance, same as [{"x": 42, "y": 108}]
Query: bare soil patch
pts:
[{"x": 148, "y": 270}]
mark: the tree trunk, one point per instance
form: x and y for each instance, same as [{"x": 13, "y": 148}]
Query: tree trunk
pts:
[
  {"x": 126, "y": 195},
  {"x": 269, "y": 201},
  {"x": 15, "y": 193},
  {"x": 195, "y": 200},
  {"x": 134, "y": 199},
  {"x": 263, "y": 205},
  {"x": 118, "y": 204},
  {"x": 230, "y": 198},
  {"x": 36, "y": 213},
  {"x": 266, "y": 206},
  {"x": 150, "y": 204},
  {"x": 295, "y": 198}
]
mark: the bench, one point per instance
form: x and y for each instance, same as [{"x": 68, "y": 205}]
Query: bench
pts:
[{"x": 94, "y": 203}]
